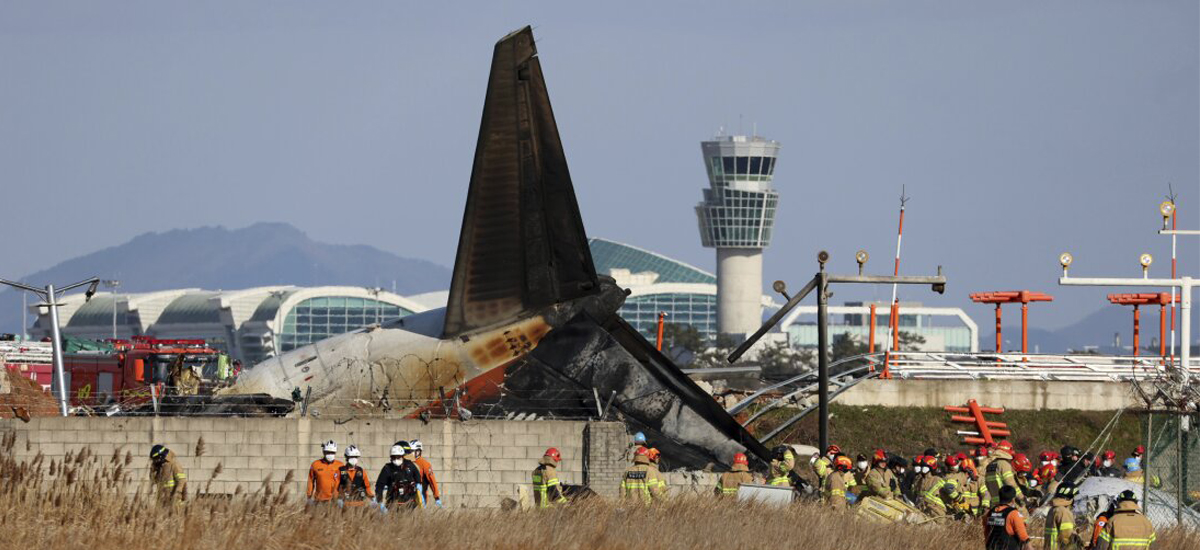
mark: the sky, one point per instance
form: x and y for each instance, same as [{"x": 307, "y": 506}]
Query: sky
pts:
[{"x": 1019, "y": 129}]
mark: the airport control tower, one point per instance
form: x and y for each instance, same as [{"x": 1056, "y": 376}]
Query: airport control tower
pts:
[{"x": 736, "y": 218}]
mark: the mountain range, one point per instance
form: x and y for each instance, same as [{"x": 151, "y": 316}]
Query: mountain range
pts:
[{"x": 220, "y": 258}]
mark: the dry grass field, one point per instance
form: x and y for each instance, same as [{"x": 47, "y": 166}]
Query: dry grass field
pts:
[{"x": 78, "y": 504}]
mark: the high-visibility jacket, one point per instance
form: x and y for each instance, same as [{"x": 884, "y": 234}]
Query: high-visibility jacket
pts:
[
  {"x": 835, "y": 489},
  {"x": 1060, "y": 527},
  {"x": 957, "y": 493},
  {"x": 1000, "y": 473},
  {"x": 1004, "y": 528},
  {"x": 780, "y": 469},
  {"x": 643, "y": 482},
  {"x": 1127, "y": 529},
  {"x": 323, "y": 480},
  {"x": 547, "y": 491},
  {"x": 879, "y": 482},
  {"x": 168, "y": 477},
  {"x": 929, "y": 489},
  {"x": 728, "y": 482},
  {"x": 821, "y": 467}
]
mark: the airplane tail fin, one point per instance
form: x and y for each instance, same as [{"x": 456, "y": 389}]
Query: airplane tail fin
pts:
[{"x": 522, "y": 245}]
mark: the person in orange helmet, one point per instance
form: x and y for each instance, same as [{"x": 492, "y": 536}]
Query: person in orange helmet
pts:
[
  {"x": 642, "y": 482},
  {"x": 879, "y": 481},
  {"x": 835, "y": 483},
  {"x": 728, "y": 482}
]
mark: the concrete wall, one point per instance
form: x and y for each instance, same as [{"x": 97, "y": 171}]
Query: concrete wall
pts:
[
  {"x": 477, "y": 463},
  {"x": 1017, "y": 394}
]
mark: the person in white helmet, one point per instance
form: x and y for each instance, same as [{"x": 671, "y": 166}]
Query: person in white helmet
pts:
[
  {"x": 323, "y": 475},
  {"x": 354, "y": 489},
  {"x": 399, "y": 482},
  {"x": 428, "y": 481}
]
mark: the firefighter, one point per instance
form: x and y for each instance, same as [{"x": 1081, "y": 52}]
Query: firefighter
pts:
[
  {"x": 976, "y": 492},
  {"x": 1127, "y": 528},
  {"x": 930, "y": 488},
  {"x": 879, "y": 481},
  {"x": 902, "y": 477},
  {"x": 1133, "y": 471},
  {"x": 398, "y": 486},
  {"x": 1073, "y": 467},
  {"x": 353, "y": 487},
  {"x": 1106, "y": 465},
  {"x": 835, "y": 487},
  {"x": 642, "y": 482},
  {"x": 823, "y": 465},
  {"x": 323, "y": 475},
  {"x": 428, "y": 481},
  {"x": 547, "y": 491},
  {"x": 1004, "y": 525},
  {"x": 782, "y": 462},
  {"x": 957, "y": 493},
  {"x": 982, "y": 456},
  {"x": 861, "y": 467},
  {"x": 1060, "y": 531},
  {"x": 999, "y": 472},
  {"x": 166, "y": 475},
  {"x": 1137, "y": 453},
  {"x": 1023, "y": 474},
  {"x": 728, "y": 483}
]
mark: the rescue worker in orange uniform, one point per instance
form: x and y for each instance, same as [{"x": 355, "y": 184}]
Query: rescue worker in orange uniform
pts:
[
  {"x": 1127, "y": 528},
  {"x": 353, "y": 487},
  {"x": 428, "y": 481},
  {"x": 879, "y": 481},
  {"x": 167, "y": 476},
  {"x": 547, "y": 490},
  {"x": 323, "y": 475},
  {"x": 728, "y": 483},
  {"x": 642, "y": 482},
  {"x": 1004, "y": 525},
  {"x": 1102, "y": 522},
  {"x": 836, "y": 482}
]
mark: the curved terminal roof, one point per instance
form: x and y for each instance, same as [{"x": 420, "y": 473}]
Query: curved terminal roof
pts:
[{"x": 608, "y": 255}]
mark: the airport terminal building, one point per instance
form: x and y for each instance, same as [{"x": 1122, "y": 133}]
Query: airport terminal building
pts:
[{"x": 250, "y": 324}]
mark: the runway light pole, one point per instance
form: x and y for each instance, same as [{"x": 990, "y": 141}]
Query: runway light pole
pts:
[
  {"x": 113, "y": 284},
  {"x": 50, "y": 295}
]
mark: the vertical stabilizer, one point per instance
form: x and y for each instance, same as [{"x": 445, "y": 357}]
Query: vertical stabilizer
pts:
[{"x": 522, "y": 245}]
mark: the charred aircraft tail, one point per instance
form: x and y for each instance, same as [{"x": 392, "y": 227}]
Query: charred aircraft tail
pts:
[{"x": 523, "y": 250}]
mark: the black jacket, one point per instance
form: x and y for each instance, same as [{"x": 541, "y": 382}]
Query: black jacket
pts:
[{"x": 398, "y": 482}]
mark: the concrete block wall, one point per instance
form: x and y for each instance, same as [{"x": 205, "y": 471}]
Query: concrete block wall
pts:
[
  {"x": 477, "y": 463},
  {"x": 1010, "y": 394}
]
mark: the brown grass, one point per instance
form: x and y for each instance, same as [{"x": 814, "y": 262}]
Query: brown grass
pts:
[{"x": 82, "y": 505}]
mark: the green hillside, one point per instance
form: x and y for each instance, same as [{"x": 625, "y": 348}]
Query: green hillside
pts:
[{"x": 910, "y": 430}]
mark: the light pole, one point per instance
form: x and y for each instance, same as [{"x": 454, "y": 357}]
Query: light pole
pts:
[
  {"x": 1185, "y": 284},
  {"x": 820, "y": 282},
  {"x": 50, "y": 295},
  {"x": 113, "y": 284}
]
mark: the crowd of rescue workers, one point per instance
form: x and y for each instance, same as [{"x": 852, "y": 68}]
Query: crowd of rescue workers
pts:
[{"x": 994, "y": 484}]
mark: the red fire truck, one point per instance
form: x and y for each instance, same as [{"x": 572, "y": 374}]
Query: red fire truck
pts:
[{"x": 124, "y": 375}]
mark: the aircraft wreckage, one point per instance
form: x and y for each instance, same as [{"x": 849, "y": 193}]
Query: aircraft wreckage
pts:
[{"x": 529, "y": 326}]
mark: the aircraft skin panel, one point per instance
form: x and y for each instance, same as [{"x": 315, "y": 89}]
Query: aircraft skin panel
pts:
[{"x": 522, "y": 246}]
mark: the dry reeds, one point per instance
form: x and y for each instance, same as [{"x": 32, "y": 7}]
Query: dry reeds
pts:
[{"x": 87, "y": 507}]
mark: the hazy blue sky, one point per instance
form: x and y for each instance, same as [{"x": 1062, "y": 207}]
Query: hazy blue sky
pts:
[{"x": 1021, "y": 129}]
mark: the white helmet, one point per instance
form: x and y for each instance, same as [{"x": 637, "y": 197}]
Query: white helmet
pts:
[
  {"x": 329, "y": 447},
  {"x": 398, "y": 450},
  {"x": 416, "y": 445},
  {"x": 353, "y": 451}
]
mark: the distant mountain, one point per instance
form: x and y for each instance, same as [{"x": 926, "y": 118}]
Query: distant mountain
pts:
[
  {"x": 218, "y": 258},
  {"x": 1095, "y": 330}
]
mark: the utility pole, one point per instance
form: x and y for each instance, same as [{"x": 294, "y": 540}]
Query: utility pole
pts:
[
  {"x": 821, "y": 282},
  {"x": 50, "y": 295}
]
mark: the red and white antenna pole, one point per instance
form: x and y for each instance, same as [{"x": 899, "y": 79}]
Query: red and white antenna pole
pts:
[{"x": 893, "y": 339}]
